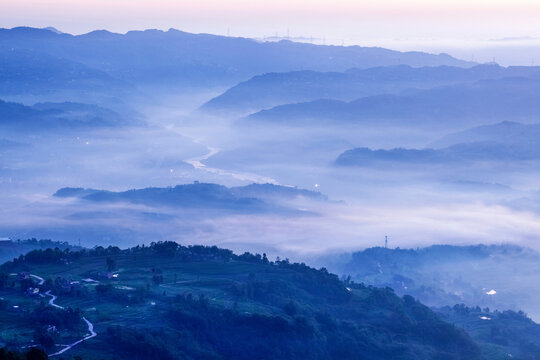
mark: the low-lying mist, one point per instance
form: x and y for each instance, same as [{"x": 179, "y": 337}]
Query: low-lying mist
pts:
[{"x": 415, "y": 205}]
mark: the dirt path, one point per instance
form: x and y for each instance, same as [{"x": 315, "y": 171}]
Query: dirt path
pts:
[
  {"x": 51, "y": 302},
  {"x": 40, "y": 279},
  {"x": 91, "y": 331},
  {"x": 91, "y": 335}
]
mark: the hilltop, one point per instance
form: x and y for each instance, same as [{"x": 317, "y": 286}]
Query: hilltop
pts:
[
  {"x": 167, "y": 301},
  {"x": 58, "y": 116}
]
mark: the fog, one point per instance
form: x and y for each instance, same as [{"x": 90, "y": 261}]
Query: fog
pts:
[
  {"x": 400, "y": 154},
  {"x": 416, "y": 205}
]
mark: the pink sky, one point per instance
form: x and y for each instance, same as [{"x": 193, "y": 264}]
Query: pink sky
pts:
[{"x": 336, "y": 18}]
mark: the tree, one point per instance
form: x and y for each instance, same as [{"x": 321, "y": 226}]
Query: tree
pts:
[
  {"x": 111, "y": 264},
  {"x": 45, "y": 339},
  {"x": 3, "y": 280},
  {"x": 36, "y": 354},
  {"x": 157, "y": 279},
  {"x": 32, "y": 354},
  {"x": 103, "y": 289},
  {"x": 290, "y": 308}
]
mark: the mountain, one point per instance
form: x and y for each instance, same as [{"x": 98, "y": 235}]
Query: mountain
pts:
[
  {"x": 168, "y": 301},
  {"x": 11, "y": 113},
  {"x": 501, "y": 334},
  {"x": 53, "y": 29},
  {"x": 273, "y": 89},
  {"x": 10, "y": 249},
  {"x": 273, "y": 192},
  {"x": 211, "y": 213},
  {"x": 252, "y": 198},
  {"x": 506, "y": 132},
  {"x": 27, "y": 71},
  {"x": 496, "y": 276},
  {"x": 84, "y": 113},
  {"x": 459, "y": 153},
  {"x": 39, "y": 75},
  {"x": 178, "y": 59},
  {"x": 48, "y": 116},
  {"x": 6, "y": 144},
  {"x": 447, "y": 107},
  {"x": 501, "y": 142}
]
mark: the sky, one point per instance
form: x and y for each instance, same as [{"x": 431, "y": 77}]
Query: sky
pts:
[{"x": 400, "y": 24}]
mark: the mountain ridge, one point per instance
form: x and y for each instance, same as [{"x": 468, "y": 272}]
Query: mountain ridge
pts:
[
  {"x": 272, "y": 89},
  {"x": 451, "y": 106},
  {"x": 174, "y": 55}
]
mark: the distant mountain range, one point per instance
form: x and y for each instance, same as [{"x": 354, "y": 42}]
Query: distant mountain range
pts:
[
  {"x": 506, "y": 141},
  {"x": 495, "y": 276},
  {"x": 179, "y": 59},
  {"x": 30, "y": 72},
  {"x": 250, "y": 198},
  {"x": 6, "y": 144},
  {"x": 188, "y": 211},
  {"x": 460, "y": 153},
  {"x": 447, "y": 107},
  {"x": 273, "y": 89},
  {"x": 506, "y": 132},
  {"x": 46, "y": 116}
]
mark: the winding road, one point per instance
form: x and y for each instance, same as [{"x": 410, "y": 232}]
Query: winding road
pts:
[
  {"x": 91, "y": 335},
  {"x": 91, "y": 331},
  {"x": 51, "y": 302},
  {"x": 39, "y": 278}
]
